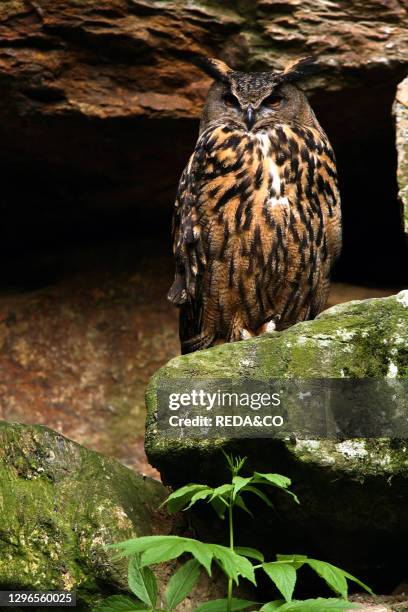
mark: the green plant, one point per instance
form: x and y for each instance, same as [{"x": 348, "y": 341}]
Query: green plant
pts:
[{"x": 235, "y": 561}]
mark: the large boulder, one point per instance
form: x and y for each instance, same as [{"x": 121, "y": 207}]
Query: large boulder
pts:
[
  {"x": 354, "y": 492},
  {"x": 61, "y": 504}
]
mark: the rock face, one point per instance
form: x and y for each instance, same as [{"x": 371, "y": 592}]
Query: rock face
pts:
[
  {"x": 76, "y": 356},
  {"x": 353, "y": 492},
  {"x": 401, "y": 120},
  {"x": 119, "y": 59},
  {"x": 61, "y": 504}
]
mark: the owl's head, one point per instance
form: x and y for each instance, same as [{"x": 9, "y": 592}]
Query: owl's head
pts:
[{"x": 255, "y": 100}]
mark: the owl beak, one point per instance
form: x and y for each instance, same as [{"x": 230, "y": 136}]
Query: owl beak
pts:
[{"x": 250, "y": 117}]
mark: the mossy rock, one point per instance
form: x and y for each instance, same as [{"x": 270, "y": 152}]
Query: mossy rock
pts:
[
  {"x": 354, "y": 492},
  {"x": 61, "y": 504},
  {"x": 360, "y": 339}
]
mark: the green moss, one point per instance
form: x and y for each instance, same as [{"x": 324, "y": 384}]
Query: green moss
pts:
[
  {"x": 357, "y": 340},
  {"x": 61, "y": 504}
]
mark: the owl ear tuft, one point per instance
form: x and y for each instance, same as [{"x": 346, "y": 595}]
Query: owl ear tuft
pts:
[
  {"x": 298, "y": 69},
  {"x": 215, "y": 68}
]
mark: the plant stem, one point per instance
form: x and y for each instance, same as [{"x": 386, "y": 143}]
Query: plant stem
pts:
[{"x": 231, "y": 545}]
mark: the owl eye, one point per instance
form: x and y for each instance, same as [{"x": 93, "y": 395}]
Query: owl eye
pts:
[
  {"x": 273, "y": 101},
  {"x": 230, "y": 99}
]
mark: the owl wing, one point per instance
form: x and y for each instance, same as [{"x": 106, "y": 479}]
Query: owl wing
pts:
[
  {"x": 319, "y": 226},
  {"x": 188, "y": 248}
]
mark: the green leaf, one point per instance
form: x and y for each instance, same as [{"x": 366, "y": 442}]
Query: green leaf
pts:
[
  {"x": 199, "y": 496},
  {"x": 259, "y": 493},
  {"x": 276, "y": 480},
  {"x": 142, "y": 582},
  {"x": 221, "y": 491},
  {"x": 235, "y": 464},
  {"x": 162, "y": 552},
  {"x": 283, "y": 575},
  {"x": 296, "y": 560},
  {"x": 202, "y": 552},
  {"x": 335, "y": 577},
  {"x": 354, "y": 579},
  {"x": 181, "y": 497},
  {"x": 138, "y": 545},
  {"x": 239, "y": 502},
  {"x": 272, "y": 605},
  {"x": 239, "y": 482},
  {"x": 331, "y": 574},
  {"x": 119, "y": 603},
  {"x": 245, "y": 551},
  {"x": 234, "y": 565},
  {"x": 312, "y": 605},
  {"x": 220, "y": 605},
  {"x": 283, "y": 482},
  {"x": 157, "y": 549},
  {"x": 182, "y": 582},
  {"x": 220, "y": 506}
]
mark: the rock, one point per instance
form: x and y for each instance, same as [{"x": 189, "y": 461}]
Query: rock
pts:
[
  {"x": 374, "y": 608},
  {"x": 61, "y": 504},
  {"x": 353, "y": 492},
  {"x": 401, "y": 120},
  {"x": 83, "y": 348},
  {"x": 357, "y": 339},
  {"x": 145, "y": 61},
  {"x": 380, "y": 603}
]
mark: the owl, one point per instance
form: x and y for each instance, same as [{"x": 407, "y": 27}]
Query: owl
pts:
[{"x": 257, "y": 221}]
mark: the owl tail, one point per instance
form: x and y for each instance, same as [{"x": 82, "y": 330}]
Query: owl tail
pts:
[{"x": 197, "y": 343}]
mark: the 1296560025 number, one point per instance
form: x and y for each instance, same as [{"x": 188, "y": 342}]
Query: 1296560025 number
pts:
[{"x": 38, "y": 598}]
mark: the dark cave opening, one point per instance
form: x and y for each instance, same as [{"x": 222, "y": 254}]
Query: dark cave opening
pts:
[
  {"x": 360, "y": 125},
  {"x": 75, "y": 185}
]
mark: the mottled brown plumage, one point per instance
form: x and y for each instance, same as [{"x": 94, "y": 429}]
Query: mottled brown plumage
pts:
[{"x": 257, "y": 216}]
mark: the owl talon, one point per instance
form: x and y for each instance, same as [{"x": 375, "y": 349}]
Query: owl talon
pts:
[
  {"x": 245, "y": 334},
  {"x": 270, "y": 327}
]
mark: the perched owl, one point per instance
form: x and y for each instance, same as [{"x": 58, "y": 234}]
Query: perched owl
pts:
[{"x": 257, "y": 223}]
